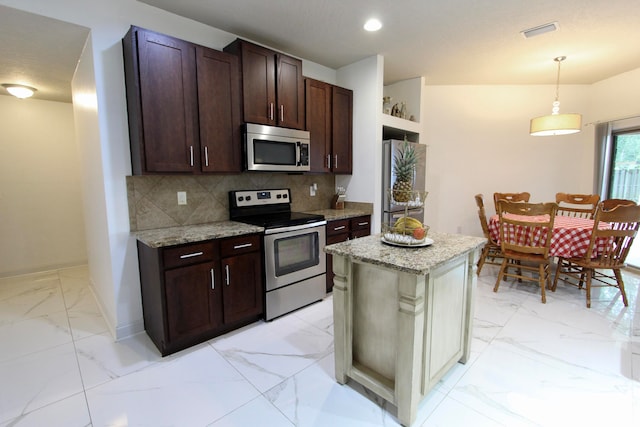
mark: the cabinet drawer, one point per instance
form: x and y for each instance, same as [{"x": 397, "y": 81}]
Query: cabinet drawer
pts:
[
  {"x": 337, "y": 238},
  {"x": 361, "y": 223},
  {"x": 188, "y": 254},
  {"x": 239, "y": 245},
  {"x": 337, "y": 227}
]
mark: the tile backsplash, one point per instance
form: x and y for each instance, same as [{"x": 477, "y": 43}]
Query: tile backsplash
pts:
[{"x": 153, "y": 201}]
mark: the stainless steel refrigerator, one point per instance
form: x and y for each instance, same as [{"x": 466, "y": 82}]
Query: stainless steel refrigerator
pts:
[{"x": 391, "y": 211}]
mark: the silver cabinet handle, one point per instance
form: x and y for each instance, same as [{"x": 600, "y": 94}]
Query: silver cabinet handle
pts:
[
  {"x": 226, "y": 269},
  {"x": 245, "y": 245},
  {"x": 191, "y": 255},
  {"x": 206, "y": 155},
  {"x": 335, "y": 162},
  {"x": 271, "y": 110},
  {"x": 339, "y": 228},
  {"x": 363, "y": 223},
  {"x": 213, "y": 280},
  {"x": 191, "y": 155},
  {"x": 328, "y": 161},
  {"x": 281, "y": 113}
]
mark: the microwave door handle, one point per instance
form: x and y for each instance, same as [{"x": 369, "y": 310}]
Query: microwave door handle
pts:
[{"x": 298, "y": 160}]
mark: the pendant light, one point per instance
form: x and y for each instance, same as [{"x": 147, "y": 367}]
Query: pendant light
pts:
[{"x": 556, "y": 123}]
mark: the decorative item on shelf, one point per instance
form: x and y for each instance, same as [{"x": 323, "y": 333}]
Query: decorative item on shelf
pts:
[
  {"x": 339, "y": 198},
  {"x": 404, "y": 168},
  {"x": 403, "y": 110},
  {"x": 386, "y": 104}
]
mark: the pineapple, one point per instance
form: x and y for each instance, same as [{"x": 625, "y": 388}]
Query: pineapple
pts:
[{"x": 404, "y": 167}]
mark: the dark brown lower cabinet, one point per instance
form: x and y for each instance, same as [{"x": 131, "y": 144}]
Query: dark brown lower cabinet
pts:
[
  {"x": 340, "y": 231},
  {"x": 194, "y": 292}
]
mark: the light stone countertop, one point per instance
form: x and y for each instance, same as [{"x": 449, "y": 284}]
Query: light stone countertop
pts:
[
  {"x": 419, "y": 261},
  {"x": 336, "y": 214},
  {"x": 169, "y": 236}
]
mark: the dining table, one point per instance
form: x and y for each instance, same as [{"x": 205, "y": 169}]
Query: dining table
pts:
[{"x": 570, "y": 237}]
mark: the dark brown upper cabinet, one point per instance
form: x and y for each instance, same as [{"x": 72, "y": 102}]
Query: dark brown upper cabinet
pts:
[
  {"x": 183, "y": 103},
  {"x": 272, "y": 86},
  {"x": 329, "y": 119}
]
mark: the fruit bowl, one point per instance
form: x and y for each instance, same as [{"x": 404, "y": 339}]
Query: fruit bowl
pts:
[{"x": 406, "y": 232}]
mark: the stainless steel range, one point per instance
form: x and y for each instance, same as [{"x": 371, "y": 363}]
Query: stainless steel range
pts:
[{"x": 295, "y": 266}]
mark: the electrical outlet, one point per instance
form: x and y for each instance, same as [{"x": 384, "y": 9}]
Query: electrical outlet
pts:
[
  {"x": 182, "y": 197},
  {"x": 312, "y": 189}
]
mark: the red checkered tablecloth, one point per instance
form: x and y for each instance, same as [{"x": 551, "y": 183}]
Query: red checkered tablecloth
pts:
[{"x": 570, "y": 237}]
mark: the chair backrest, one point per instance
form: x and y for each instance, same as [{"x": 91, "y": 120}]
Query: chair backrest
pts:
[
  {"x": 482, "y": 216},
  {"x": 526, "y": 227},
  {"x": 624, "y": 222},
  {"x": 609, "y": 204},
  {"x": 511, "y": 197},
  {"x": 577, "y": 205}
]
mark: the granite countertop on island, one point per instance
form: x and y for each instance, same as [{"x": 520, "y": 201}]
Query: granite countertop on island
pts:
[
  {"x": 417, "y": 260},
  {"x": 169, "y": 236}
]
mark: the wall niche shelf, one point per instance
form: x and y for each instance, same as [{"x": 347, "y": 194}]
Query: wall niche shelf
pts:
[{"x": 397, "y": 128}]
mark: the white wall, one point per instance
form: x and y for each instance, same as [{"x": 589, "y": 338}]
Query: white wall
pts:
[
  {"x": 479, "y": 142},
  {"x": 615, "y": 98},
  {"x": 365, "y": 78},
  {"x": 41, "y": 220}
]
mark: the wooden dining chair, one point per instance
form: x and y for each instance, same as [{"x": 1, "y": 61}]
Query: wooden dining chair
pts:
[
  {"x": 577, "y": 205},
  {"x": 491, "y": 251},
  {"x": 511, "y": 197},
  {"x": 609, "y": 204},
  {"x": 525, "y": 238},
  {"x": 603, "y": 269}
]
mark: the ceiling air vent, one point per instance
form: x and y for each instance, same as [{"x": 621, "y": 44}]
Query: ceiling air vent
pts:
[{"x": 541, "y": 29}]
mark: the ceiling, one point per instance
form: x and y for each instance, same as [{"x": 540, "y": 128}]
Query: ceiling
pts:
[
  {"x": 453, "y": 42},
  {"x": 39, "y": 52}
]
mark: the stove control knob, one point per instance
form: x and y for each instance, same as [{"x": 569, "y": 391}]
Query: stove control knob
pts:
[
  {"x": 248, "y": 198},
  {"x": 279, "y": 196},
  {"x": 240, "y": 198},
  {"x": 285, "y": 195}
]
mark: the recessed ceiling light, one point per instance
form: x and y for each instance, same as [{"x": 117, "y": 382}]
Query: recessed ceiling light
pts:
[
  {"x": 19, "y": 91},
  {"x": 372, "y": 25}
]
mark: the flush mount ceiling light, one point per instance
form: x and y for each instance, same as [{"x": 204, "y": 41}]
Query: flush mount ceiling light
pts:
[
  {"x": 372, "y": 25},
  {"x": 540, "y": 29},
  {"x": 556, "y": 123},
  {"x": 19, "y": 91}
]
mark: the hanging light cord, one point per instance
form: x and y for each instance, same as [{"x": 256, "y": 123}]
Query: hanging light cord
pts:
[{"x": 556, "y": 103}]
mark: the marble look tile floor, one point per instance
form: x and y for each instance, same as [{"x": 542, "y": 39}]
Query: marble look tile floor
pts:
[{"x": 532, "y": 364}]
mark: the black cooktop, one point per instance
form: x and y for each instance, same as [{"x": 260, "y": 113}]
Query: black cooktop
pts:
[
  {"x": 284, "y": 219},
  {"x": 267, "y": 208}
]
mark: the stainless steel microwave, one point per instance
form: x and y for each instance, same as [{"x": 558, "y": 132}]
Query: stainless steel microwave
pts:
[{"x": 275, "y": 149}]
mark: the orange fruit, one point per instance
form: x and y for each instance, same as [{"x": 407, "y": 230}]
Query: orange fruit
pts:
[{"x": 419, "y": 233}]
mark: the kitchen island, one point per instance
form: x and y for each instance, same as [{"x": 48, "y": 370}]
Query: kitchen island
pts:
[{"x": 402, "y": 316}]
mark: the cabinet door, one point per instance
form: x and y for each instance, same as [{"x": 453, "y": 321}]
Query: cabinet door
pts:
[
  {"x": 258, "y": 84},
  {"x": 193, "y": 300},
  {"x": 318, "y": 120},
  {"x": 219, "y": 111},
  {"x": 290, "y": 92},
  {"x": 243, "y": 287},
  {"x": 331, "y": 239},
  {"x": 342, "y": 132},
  {"x": 164, "y": 135}
]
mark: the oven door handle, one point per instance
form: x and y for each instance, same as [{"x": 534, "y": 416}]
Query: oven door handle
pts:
[{"x": 294, "y": 227}]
